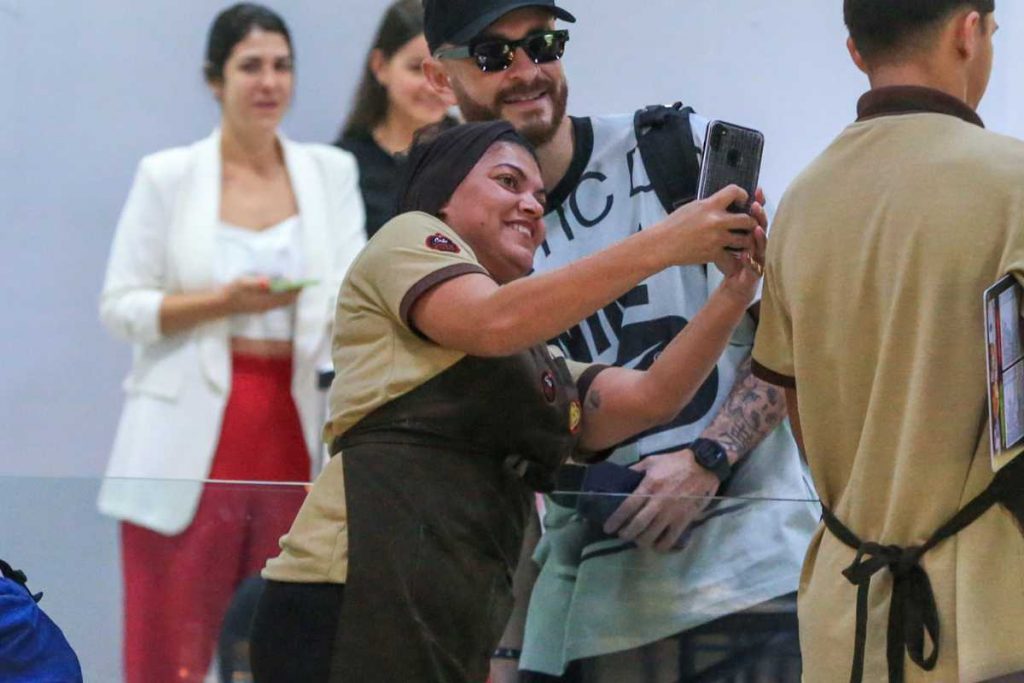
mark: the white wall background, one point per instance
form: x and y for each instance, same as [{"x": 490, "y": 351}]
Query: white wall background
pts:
[{"x": 87, "y": 88}]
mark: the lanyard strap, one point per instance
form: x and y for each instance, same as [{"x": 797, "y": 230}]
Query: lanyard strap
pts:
[{"x": 913, "y": 613}]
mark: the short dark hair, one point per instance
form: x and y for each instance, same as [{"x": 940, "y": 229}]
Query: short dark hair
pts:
[
  {"x": 402, "y": 22},
  {"x": 885, "y": 28},
  {"x": 231, "y": 27}
]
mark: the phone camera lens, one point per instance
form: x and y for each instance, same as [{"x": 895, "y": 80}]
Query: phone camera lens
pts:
[{"x": 717, "y": 137}]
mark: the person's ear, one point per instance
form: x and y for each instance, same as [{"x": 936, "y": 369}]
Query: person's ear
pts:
[
  {"x": 378, "y": 66},
  {"x": 855, "y": 55},
  {"x": 438, "y": 79},
  {"x": 217, "y": 88},
  {"x": 449, "y": 101},
  {"x": 214, "y": 81},
  {"x": 969, "y": 30}
]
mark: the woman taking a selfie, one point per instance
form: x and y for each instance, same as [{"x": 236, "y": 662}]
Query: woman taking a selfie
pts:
[
  {"x": 450, "y": 408},
  {"x": 222, "y": 275},
  {"x": 392, "y": 102}
]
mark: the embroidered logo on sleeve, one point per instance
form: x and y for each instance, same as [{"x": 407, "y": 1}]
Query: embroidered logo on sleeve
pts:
[
  {"x": 575, "y": 417},
  {"x": 440, "y": 242},
  {"x": 547, "y": 385}
]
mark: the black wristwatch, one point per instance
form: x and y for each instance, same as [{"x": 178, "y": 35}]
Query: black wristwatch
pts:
[{"x": 710, "y": 455}]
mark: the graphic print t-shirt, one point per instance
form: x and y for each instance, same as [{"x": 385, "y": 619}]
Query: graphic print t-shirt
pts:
[
  {"x": 605, "y": 197},
  {"x": 599, "y": 594}
]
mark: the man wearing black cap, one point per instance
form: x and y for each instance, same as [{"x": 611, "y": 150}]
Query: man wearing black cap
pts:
[{"x": 605, "y": 607}]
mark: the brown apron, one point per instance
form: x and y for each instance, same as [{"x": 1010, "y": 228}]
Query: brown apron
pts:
[{"x": 438, "y": 487}]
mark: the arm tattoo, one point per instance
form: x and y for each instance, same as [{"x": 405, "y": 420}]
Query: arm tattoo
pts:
[
  {"x": 750, "y": 412},
  {"x": 594, "y": 399}
]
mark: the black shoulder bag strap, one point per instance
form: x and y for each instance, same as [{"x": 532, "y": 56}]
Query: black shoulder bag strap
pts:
[{"x": 666, "y": 146}]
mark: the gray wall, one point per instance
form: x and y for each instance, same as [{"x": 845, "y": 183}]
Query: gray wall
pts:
[{"x": 86, "y": 89}]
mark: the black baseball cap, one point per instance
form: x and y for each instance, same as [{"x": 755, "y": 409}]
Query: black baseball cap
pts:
[{"x": 459, "y": 21}]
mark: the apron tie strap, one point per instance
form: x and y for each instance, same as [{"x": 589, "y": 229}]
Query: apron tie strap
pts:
[{"x": 913, "y": 612}]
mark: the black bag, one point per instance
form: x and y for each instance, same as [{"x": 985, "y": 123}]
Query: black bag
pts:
[
  {"x": 604, "y": 487},
  {"x": 596, "y": 492},
  {"x": 666, "y": 146}
]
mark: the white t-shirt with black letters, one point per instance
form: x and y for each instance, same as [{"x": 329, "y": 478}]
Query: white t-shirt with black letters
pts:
[{"x": 599, "y": 594}]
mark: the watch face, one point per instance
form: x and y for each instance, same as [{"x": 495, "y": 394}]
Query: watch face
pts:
[
  {"x": 711, "y": 455},
  {"x": 707, "y": 454}
]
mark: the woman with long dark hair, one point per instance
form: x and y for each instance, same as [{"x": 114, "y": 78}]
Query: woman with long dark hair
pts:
[
  {"x": 223, "y": 276},
  {"x": 392, "y": 102}
]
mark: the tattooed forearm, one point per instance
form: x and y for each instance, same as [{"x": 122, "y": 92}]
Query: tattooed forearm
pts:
[
  {"x": 594, "y": 399},
  {"x": 750, "y": 412}
]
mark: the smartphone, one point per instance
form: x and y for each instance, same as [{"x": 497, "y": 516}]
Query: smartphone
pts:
[
  {"x": 279, "y": 285},
  {"x": 732, "y": 156}
]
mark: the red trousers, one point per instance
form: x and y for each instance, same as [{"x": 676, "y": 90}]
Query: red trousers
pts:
[{"x": 177, "y": 588}]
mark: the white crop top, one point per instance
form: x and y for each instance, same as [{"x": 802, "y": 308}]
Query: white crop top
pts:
[{"x": 274, "y": 252}]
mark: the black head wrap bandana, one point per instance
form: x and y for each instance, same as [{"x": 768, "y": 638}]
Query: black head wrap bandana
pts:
[{"x": 437, "y": 165}]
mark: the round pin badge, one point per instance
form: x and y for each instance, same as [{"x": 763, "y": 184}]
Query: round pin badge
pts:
[
  {"x": 575, "y": 417},
  {"x": 547, "y": 385}
]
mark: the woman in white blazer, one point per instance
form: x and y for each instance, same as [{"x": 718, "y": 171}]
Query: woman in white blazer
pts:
[{"x": 223, "y": 276}]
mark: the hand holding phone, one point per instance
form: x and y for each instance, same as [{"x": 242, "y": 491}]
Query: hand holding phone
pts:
[
  {"x": 279, "y": 285},
  {"x": 731, "y": 156},
  {"x": 254, "y": 294}
]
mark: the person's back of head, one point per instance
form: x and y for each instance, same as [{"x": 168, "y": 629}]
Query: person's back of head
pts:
[{"x": 944, "y": 43}]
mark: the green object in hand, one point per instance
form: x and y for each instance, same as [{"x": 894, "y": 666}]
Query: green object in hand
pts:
[{"x": 281, "y": 285}]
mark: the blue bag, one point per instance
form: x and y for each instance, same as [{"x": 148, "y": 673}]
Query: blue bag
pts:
[{"x": 32, "y": 647}]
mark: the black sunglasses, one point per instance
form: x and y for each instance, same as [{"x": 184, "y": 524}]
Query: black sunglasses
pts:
[{"x": 496, "y": 54}]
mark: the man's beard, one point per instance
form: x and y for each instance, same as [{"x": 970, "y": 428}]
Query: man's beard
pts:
[{"x": 538, "y": 132}]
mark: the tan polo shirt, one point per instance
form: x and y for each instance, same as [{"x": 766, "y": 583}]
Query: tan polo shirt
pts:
[
  {"x": 872, "y": 307},
  {"x": 378, "y": 357}
]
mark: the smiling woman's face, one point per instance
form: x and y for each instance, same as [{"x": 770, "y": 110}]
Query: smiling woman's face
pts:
[
  {"x": 256, "y": 88},
  {"x": 499, "y": 210}
]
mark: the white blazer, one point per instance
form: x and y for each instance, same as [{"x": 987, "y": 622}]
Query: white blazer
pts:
[{"x": 179, "y": 384}]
